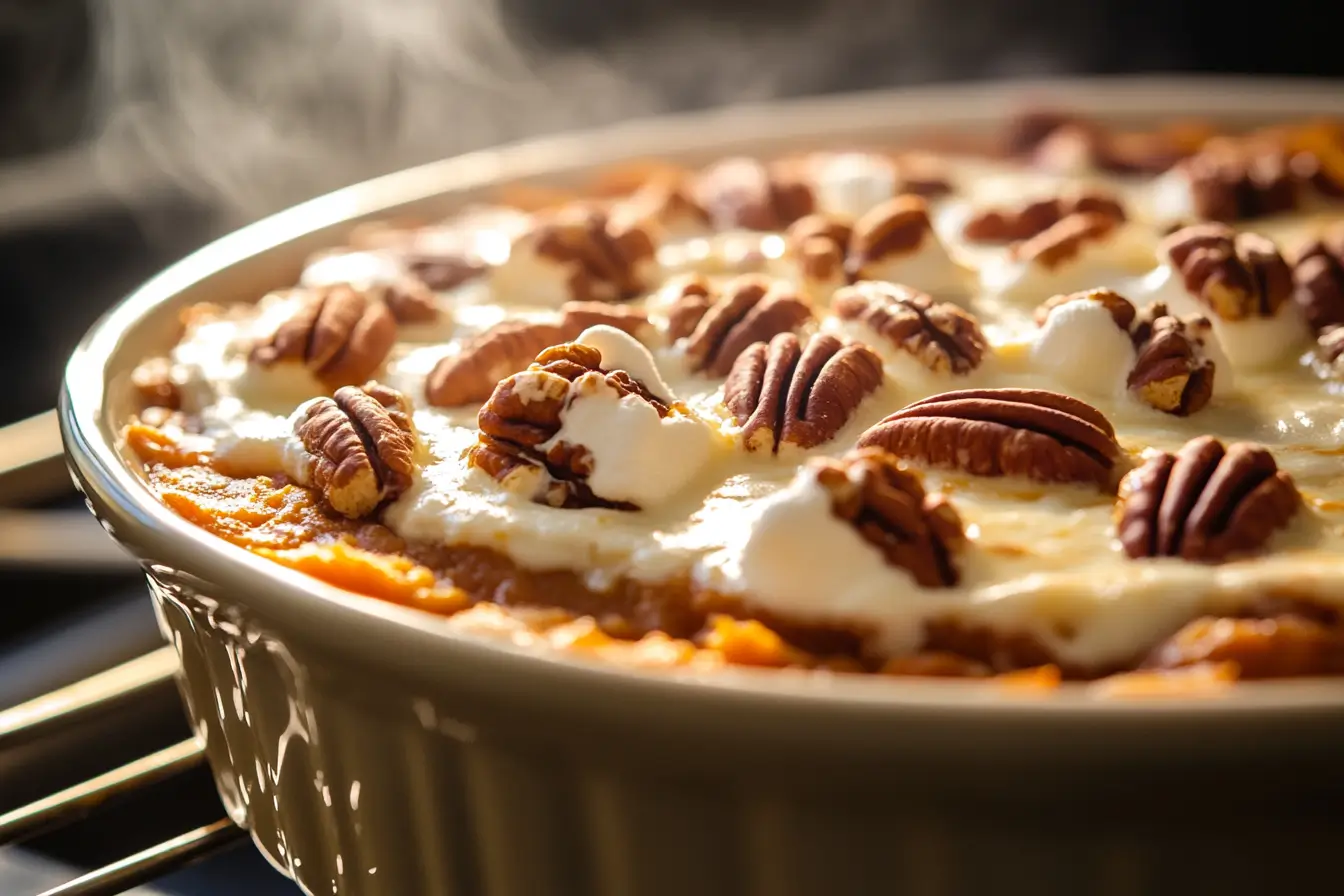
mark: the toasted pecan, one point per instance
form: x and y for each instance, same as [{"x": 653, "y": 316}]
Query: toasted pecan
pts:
[
  {"x": 819, "y": 243},
  {"x": 1121, "y": 309},
  {"x": 524, "y": 412},
  {"x": 362, "y": 447},
  {"x": 749, "y": 309},
  {"x": 605, "y": 256},
  {"x": 995, "y": 225},
  {"x": 940, "y": 335},
  {"x": 886, "y": 502},
  {"x": 508, "y": 347},
  {"x": 1231, "y": 181},
  {"x": 1065, "y": 239},
  {"x": 1318, "y": 277},
  {"x": 746, "y": 193},
  {"x": 1041, "y": 435},
  {"x": 1236, "y": 275},
  {"x": 1172, "y": 370},
  {"x": 784, "y": 393},
  {"x": 338, "y": 332},
  {"x": 1207, "y": 502},
  {"x": 154, "y": 384},
  {"x": 891, "y": 229}
]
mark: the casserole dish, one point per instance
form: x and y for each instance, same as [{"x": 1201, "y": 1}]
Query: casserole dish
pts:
[{"x": 371, "y": 752}]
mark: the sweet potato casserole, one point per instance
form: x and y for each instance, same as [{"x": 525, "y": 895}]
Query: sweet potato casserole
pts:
[{"x": 1067, "y": 409}]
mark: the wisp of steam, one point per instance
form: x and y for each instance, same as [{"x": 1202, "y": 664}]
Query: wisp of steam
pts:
[{"x": 255, "y": 104}]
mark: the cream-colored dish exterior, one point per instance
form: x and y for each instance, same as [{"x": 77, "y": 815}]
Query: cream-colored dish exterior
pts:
[{"x": 376, "y": 751}]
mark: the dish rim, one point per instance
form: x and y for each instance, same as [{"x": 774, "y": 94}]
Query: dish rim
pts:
[{"x": 418, "y": 643}]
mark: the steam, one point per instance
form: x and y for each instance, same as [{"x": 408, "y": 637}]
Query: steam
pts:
[{"x": 255, "y": 104}]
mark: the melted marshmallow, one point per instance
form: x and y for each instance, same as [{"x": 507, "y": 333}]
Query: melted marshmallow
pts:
[
  {"x": 1083, "y": 348},
  {"x": 621, "y": 351},
  {"x": 929, "y": 268},
  {"x": 849, "y": 184},
  {"x": 636, "y": 455},
  {"x": 1250, "y": 344},
  {"x": 797, "y": 559}
]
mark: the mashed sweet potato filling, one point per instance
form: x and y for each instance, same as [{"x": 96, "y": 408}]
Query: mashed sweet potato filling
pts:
[{"x": 483, "y": 593}]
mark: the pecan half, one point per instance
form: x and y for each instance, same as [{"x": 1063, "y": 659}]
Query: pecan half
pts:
[
  {"x": 1056, "y": 140},
  {"x": 508, "y": 347},
  {"x": 893, "y": 228},
  {"x": 575, "y": 317},
  {"x": 1041, "y": 435},
  {"x": 1318, "y": 273},
  {"x": 1230, "y": 181},
  {"x": 1237, "y": 275},
  {"x": 154, "y": 385},
  {"x": 1330, "y": 349},
  {"x": 819, "y": 244},
  {"x": 690, "y": 296},
  {"x": 782, "y": 393},
  {"x": 410, "y": 300},
  {"x": 940, "y": 335},
  {"x": 1063, "y": 240},
  {"x": 1205, "y": 503},
  {"x": 664, "y": 200},
  {"x": 362, "y": 447},
  {"x": 606, "y": 258},
  {"x": 337, "y": 332},
  {"x": 524, "y": 412},
  {"x": 1172, "y": 370},
  {"x": 746, "y": 193},
  {"x": 749, "y": 309},
  {"x": 1121, "y": 309},
  {"x": 886, "y": 502},
  {"x": 1010, "y": 225},
  {"x": 924, "y": 175}
]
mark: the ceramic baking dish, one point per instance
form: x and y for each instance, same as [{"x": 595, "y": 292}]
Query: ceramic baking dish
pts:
[{"x": 372, "y": 753}]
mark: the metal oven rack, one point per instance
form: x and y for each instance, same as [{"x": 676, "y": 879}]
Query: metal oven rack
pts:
[{"x": 32, "y": 469}]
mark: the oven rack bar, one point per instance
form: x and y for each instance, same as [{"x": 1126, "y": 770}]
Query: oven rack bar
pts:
[{"x": 80, "y": 703}]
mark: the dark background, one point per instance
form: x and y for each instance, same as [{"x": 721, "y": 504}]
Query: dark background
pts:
[
  {"x": 65, "y": 257},
  {"x": 132, "y": 131}
]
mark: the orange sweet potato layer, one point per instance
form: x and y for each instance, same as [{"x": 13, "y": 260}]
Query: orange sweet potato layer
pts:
[{"x": 484, "y": 593}]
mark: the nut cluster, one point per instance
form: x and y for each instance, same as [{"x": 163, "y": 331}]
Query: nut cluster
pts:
[
  {"x": 1236, "y": 275},
  {"x": 940, "y": 335},
  {"x": 785, "y": 393},
  {"x": 1205, "y": 503},
  {"x": 886, "y": 502},
  {"x": 1064, "y": 240},
  {"x": 1012, "y": 225},
  {"x": 1318, "y": 275},
  {"x": 1045, "y": 436},
  {"x": 606, "y": 257},
  {"x": 745, "y": 193},
  {"x": 1059, "y": 141},
  {"x": 1232, "y": 181},
  {"x": 339, "y": 333},
  {"x": 749, "y": 309},
  {"x": 434, "y": 255},
  {"x": 361, "y": 445},
  {"x": 524, "y": 412},
  {"x": 1172, "y": 369},
  {"x": 829, "y": 250},
  {"x": 508, "y": 347}
]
